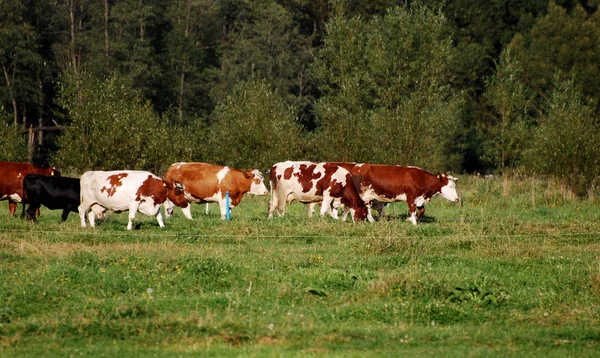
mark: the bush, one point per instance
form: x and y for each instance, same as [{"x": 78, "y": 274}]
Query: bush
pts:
[
  {"x": 13, "y": 141},
  {"x": 253, "y": 128},
  {"x": 566, "y": 144},
  {"x": 112, "y": 128}
]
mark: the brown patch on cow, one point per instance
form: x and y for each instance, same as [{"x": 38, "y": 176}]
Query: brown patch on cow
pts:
[
  {"x": 287, "y": 173},
  {"x": 154, "y": 188},
  {"x": 114, "y": 183},
  {"x": 306, "y": 174}
]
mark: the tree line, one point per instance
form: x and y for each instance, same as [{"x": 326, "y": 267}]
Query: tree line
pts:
[{"x": 503, "y": 86}]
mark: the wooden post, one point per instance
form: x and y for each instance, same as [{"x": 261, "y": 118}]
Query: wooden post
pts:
[{"x": 30, "y": 144}]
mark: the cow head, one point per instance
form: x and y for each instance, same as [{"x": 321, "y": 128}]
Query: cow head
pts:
[
  {"x": 257, "y": 187},
  {"x": 54, "y": 171},
  {"x": 360, "y": 213},
  {"x": 175, "y": 195},
  {"x": 448, "y": 189}
]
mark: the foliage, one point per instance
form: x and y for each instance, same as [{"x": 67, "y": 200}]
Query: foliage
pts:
[
  {"x": 506, "y": 130},
  {"x": 265, "y": 42},
  {"x": 565, "y": 43},
  {"x": 112, "y": 128},
  {"x": 13, "y": 140},
  {"x": 567, "y": 140},
  {"x": 386, "y": 94},
  {"x": 254, "y": 127}
]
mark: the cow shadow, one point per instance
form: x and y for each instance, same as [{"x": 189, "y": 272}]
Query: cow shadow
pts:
[{"x": 425, "y": 219}]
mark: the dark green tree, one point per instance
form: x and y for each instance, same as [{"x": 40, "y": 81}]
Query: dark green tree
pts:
[
  {"x": 386, "y": 89},
  {"x": 566, "y": 43},
  {"x": 506, "y": 128}
]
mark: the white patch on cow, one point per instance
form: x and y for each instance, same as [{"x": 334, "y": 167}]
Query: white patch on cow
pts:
[
  {"x": 339, "y": 176},
  {"x": 15, "y": 197},
  {"x": 368, "y": 194},
  {"x": 448, "y": 191},
  {"x": 216, "y": 197},
  {"x": 222, "y": 173},
  {"x": 420, "y": 201}
]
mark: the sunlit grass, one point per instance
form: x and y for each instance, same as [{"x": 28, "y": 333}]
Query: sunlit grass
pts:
[{"x": 508, "y": 271}]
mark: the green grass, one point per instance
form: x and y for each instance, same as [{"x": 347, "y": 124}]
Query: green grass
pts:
[{"x": 513, "y": 270}]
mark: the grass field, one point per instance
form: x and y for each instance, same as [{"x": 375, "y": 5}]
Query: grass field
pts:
[{"x": 513, "y": 270}]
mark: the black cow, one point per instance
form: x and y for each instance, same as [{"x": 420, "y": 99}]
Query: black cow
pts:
[{"x": 52, "y": 192}]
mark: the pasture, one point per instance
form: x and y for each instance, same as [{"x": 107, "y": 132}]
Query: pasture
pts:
[{"x": 514, "y": 269}]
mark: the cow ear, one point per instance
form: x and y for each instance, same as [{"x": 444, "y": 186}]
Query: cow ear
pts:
[{"x": 248, "y": 174}]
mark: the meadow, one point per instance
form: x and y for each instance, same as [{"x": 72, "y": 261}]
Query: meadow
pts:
[{"x": 511, "y": 270}]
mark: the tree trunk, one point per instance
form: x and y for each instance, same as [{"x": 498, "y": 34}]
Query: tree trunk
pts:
[
  {"x": 184, "y": 60},
  {"x": 72, "y": 23},
  {"x": 12, "y": 96}
]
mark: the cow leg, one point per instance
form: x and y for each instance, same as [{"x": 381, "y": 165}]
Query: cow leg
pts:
[
  {"x": 65, "y": 215},
  {"x": 82, "y": 209},
  {"x": 420, "y": 212},
  {"x": 31, "y": 210},
  {"x": 326, "y": 207},
  {"x": 187, "y": 211},
  {"x": 160, "y": 219},
  {"x": 311, "y": 209},
  {"x": 369, "y": 214},
  {"x": 223, "y": 208},
  {"x": 23, "y": 210},
  {"x": 133, "y": 208},
  {"x": 12, "y": 207},
  {"x": 168, "y": 209},
  {"x": 412, "y": 210}
]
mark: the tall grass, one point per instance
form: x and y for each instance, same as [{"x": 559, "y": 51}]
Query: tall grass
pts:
[{"x": 513, "y": 269}]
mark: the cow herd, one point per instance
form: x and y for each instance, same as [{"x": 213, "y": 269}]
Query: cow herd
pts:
[{"x": 354, "y": 188}]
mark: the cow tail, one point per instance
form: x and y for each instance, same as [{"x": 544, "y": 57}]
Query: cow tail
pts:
[{"x": 271, "y": 190}]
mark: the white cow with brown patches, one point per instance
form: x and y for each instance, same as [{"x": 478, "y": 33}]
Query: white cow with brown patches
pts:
[{"x": 127, "y": 190}]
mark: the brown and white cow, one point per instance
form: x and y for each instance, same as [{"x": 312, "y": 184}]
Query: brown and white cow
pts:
[
  {"x": 126, "y": 190},
  {"x": 205, "y": 183},
  {"x": 310, "y": 182},
  {"x": 11, "y": 181},
  {"x": 390, "y": 183},
  {"x": 378, "y": 206}
]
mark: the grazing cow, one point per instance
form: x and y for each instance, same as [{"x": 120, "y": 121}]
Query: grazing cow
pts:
[
  {"x": 206, "y": 183},
  {"x": 389, "y": 183},
  {"x": 310, "y": 182},
  {"x": 52, "y": 192},
  {"x": 127, "y": 190},
  {"x": 378, "y": 206},
  {"x": 11, "y": 181}
]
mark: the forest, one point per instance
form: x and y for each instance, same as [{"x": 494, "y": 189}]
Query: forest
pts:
[{"x": 467, "y": 86}]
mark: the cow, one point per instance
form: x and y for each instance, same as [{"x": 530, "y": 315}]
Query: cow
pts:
[
  {"x": 390, "y": 183},
  {"x": 11, "y": 181},
  {"x": 378, "y": 206},
  {"x": 310, "y": 182},
  {"x": 206, "y": 183},
  {"x": 127, "y": 190},
  {"x": 54, "y": 192}
]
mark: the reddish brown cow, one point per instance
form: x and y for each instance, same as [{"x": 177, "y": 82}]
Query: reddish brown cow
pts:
[
  {"x": 389, "y": 183},
  {"x": 205, "y": 183},
  {"x": 310, "y": 182},
  {"x": 11, "y": 181}
]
